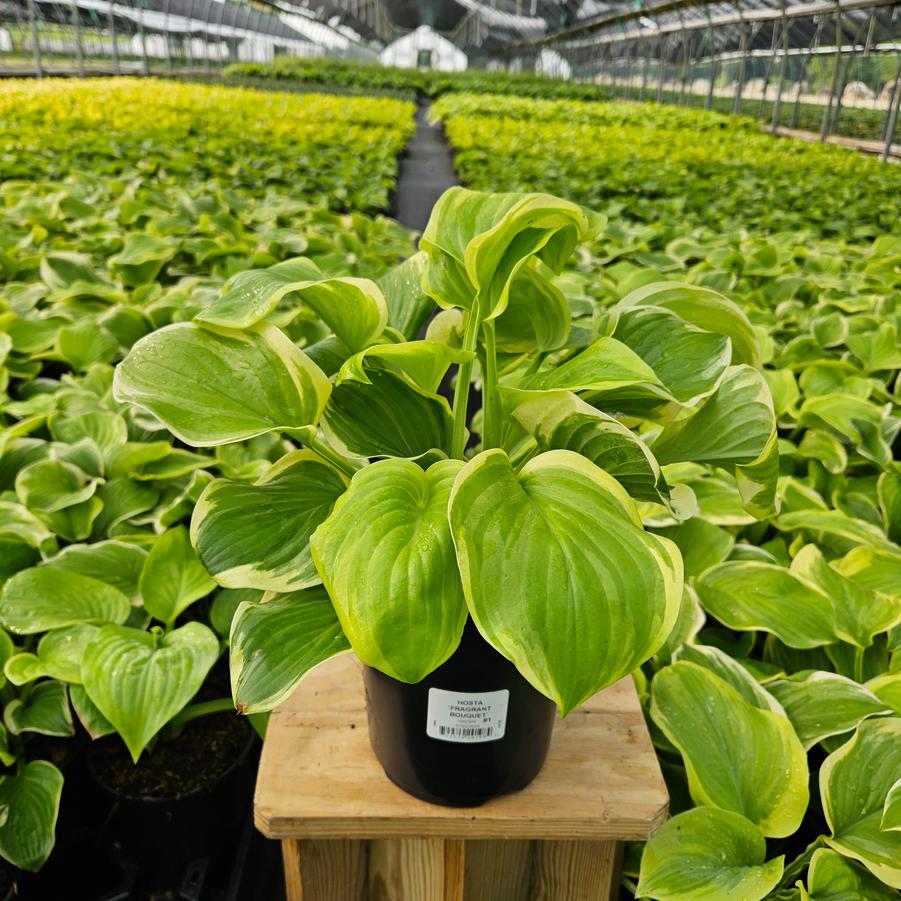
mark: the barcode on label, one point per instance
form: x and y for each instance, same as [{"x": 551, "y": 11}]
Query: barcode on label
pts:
[
  {"x": 461, "y": 732},
  {"x": 467, "y": 716}
]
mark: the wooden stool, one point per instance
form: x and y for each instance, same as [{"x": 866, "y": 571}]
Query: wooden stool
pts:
[{"x": 348, "y": 834}]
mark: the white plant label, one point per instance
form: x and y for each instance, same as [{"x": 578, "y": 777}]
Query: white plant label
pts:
[{"x": 467, "y": 717}]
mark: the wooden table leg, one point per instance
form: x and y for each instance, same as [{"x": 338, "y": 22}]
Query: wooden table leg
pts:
[
  {"x": 325, "y": 870},
  {"x": 576, "y": 871},
  {"x": 403, "y": 869}
]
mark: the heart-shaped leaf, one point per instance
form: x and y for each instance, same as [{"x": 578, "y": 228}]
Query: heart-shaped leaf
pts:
[
  {"x": 258, "y": 536},
  {"x": 855, "y": 781},
  {"x": 215, "y": 387},
  {"x": 832, "y": 877},
  {"x": 386, "y": 557},
  {"x": 558, "y": 574},
  {"x": 756, "y": 768},
  {"x": 30, "y": 798},
  {"x": 274, "y": 644},
  {"x": 45, "y": 597},
  {"x": 707, "y": 854},
  {"x": 140, "y": 680}
]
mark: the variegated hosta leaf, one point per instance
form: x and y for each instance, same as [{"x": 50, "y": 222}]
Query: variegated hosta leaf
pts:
[
  {"x": 48, "y": 486},
  {"x": 173, "y": 577},
  {"x": 859, "y": 612},
  {"x": 855, "y": 781},
  {"x": 42, "y": 708},
  {"x": 388, "y": 416},
  {"x": 476, "y": 243},
  {"x": 115, "y": 562},
  {"x": 560, "y": 420},
  {"x": 58, "y": 655},
  {"x": 687, "y": 359},
  {"x": 409, "y": 307},
  {"x": 258, "y": 535},
  {"x": 44, "y": 597},
  {"x": 707, "y": 854},
  {"x": 140, "y": 680},
  {"x": 756, "y": 767},
  {"x": 422, "y": 363},
  {"x": 274, "y": 644},
  {"x": 749, "y": 595},
  {"x": 559, "y": 575},
  {"x": 212, "y": 387},
  {"x": 537, "y": 317},
  {"x": 386, "y": 557},
  {"x": 94, "y": 722},
  {"x": 30, "y": 799},
  {"x": 891, "y": 810},
  {"x": 821, "y": 704},
  {"x": 734, "y": 428},
  {"x": 352, "y": 308},
  {"x": 703, "y": 308},
  {"x": 832, "y": 877}
]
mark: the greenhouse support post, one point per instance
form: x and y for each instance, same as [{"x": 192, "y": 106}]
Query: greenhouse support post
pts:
[
  {"x": 783, "y": 69},
  {"x": 112, "y": 28},
  {"x": 892, "y": 118},
  {"x": 711, "y": 77},
  {"x": 814, "y": 43},
  {"x": 35, "y": 42},
  {"x": 743, "y": 50},
  {"x": 761, "y": 108},
  {"x": 846, "y": 72},
  {"x": 79, "y": 50},
  {"x": 827, "y": 112}
]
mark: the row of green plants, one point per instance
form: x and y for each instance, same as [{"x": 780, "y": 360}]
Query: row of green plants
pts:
[
  {"x": 775, "y": 703},
  {"x": 431, "y": 83},
  {"x": 108, "y": 136},
  {"x": 691, "y": 168},
  {"x": 133, "y": 204}
]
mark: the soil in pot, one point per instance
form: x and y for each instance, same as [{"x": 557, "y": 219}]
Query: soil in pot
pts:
[
  {"x": 471, "y": 730},
  {"x": 184, "y": 800}
]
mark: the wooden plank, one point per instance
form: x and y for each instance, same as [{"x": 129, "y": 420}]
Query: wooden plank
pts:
[
  {"x": 454, "y": 869},
  {"x": 576, "y": 871},
  {"x": 498, "y": 870},
  {"x": 330, "y": 870},
  {"x": 318, "y": 777},
  {"x": 404, "y": 869}
]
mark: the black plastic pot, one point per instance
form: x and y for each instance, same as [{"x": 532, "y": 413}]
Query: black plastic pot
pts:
[
  {"x": 470, "y": 731},
  {"x": 166, "y": 835}
]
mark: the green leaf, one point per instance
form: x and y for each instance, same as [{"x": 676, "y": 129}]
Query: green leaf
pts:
[
  {"x": 606, "y": 365},
  {"x": 708, "y": 854},
  {"x": 735, "y": 428},
  {"x": 749, "y": 595},
  {"x": 560, "y": 420},
  {"x": 44, "y": 597},
  {"x": 757, "y": 767},
  {"x": 274, "y": 644},
  {"x": 832, "y": 877},
  {"x": 702, "y": 544},
  {"x": 409, "y": 307},
  {"x": 537, "y": 316},
  {"x": 31, "y": 799},
  {"x": 476, "y": 243},
  {"x": 386, "y": 557},
  {"x": 115, "y": 562},
  {"x": 258, "y": 536},
  {"x": 107, "y": 430},
  {"x": 823, "y": 704},
  {"x": 688, "y": 360},
  {"x": 43, "y": 709},
  {"x": 215, "y": 387},
  {"x": 854, "y": 783},
  {"x": 51, "y": 485},
  {"x": 173, "y": 577},
  {"x": 891, "y": 811},
  {"x": 387, "y": 416},
  {"x": 352, "y": 308},
  {"x": 94, "y": 722},
  {"x": 575, "y": 609},
  {"x": 85, "y": 343},
  {"x": 59, "y": 655},
  {"x": 225, "y": 605},
  {"x": 141, "y": 258},
  {"x": 703, "y": 308},
  {"x": 831, "y": 527},
  {"x": 140, "y": 680}
]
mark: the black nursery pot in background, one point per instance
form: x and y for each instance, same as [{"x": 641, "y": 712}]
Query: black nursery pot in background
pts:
[{"x": 470, "y": 731}]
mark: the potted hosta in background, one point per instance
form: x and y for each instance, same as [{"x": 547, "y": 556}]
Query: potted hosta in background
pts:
[{"x": 493, "y": 558}]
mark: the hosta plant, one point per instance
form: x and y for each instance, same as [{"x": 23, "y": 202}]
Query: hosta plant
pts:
[{"x": 399, "y": 514}]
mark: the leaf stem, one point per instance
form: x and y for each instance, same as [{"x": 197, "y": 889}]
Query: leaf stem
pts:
[
  {"x": 315, "y": 443},
  {"x": 204, "y": 708},
  {"x": 858, "y": 664},
  {"x": 464, "y": 377},
  {"x": 490, "y": 396}
]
